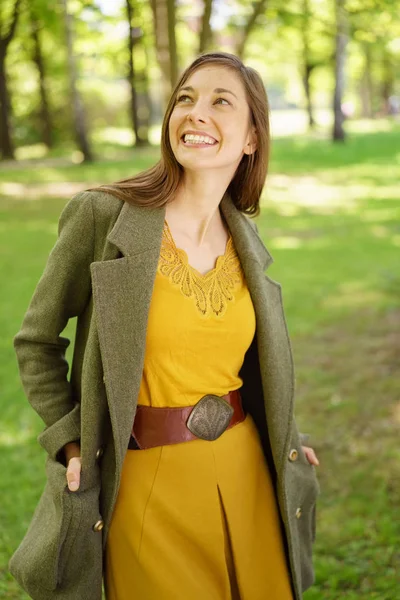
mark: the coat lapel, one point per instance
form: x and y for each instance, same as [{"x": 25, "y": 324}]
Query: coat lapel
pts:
[
  {"x": 274, "y": 351},
  {"x": 122, "y": 290}
]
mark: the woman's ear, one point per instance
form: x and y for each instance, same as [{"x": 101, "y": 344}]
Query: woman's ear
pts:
[{"x": 251, "y": 145}]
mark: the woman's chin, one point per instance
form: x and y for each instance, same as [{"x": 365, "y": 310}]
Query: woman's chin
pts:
[{"x": 195, "y": 164}]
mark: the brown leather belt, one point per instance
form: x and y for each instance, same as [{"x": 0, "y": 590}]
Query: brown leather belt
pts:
[{"x": 206, "y": 420}]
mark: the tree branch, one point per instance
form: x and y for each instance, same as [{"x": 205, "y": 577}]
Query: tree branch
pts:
[
  {"x": 7, "y": 39},
  {"x": 259, "y": 8}
]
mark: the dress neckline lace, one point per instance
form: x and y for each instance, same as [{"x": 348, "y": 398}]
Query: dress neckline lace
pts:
[
  {"x": 185, "y": 257},
  {"x": 211, "y": 291}
]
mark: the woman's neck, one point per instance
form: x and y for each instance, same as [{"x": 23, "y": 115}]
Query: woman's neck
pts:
[{"x": 194, "y": 212}]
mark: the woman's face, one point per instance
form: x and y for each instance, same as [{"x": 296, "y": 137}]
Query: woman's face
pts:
[{"x": 209, "y": 125}]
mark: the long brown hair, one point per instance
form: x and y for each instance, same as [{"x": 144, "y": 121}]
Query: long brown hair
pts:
[{"x": 157, "y": 185}]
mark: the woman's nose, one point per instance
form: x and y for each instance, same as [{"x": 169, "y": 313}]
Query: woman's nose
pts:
[
  {"x": 195, "y": 118},
  {"x": 197, "y": 114}
]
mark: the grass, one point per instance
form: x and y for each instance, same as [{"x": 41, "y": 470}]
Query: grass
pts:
[{"x": 331, "y": 219}]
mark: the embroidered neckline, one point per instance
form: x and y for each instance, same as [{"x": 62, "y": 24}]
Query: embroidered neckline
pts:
[{"x": 211, "y": 291}]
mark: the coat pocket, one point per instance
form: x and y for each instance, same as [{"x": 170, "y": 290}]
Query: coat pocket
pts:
[
  {"x": 38, "y": 561},
  {"x": 61, "y": 552}
]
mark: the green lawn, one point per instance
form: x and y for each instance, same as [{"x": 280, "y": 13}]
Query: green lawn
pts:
[{"x": 331, "y": 220}]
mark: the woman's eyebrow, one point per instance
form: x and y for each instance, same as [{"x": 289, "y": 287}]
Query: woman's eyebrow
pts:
[{"x": 189, "y": 88}]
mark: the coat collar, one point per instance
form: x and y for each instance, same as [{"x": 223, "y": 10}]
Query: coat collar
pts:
[{"x": 139, "y": 229}]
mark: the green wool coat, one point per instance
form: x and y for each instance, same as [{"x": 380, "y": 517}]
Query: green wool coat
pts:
[{"x": 102, "y": 271}]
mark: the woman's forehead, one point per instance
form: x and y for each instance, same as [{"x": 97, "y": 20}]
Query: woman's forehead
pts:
[{"x": 215, "y": 76}]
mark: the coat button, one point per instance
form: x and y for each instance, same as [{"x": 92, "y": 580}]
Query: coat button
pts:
[
  {"x": 298, "y": 513},
  {"x": 98, "y": 526},
  {"x": 99, "y": 453},
  {"x": 104, "y": 378},
  {"x": 293, "y": 454}
]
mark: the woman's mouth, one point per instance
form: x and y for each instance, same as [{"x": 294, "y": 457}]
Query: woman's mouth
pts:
[{"x": 198, "y": 141}]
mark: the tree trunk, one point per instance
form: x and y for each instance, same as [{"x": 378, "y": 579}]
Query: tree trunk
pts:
[
  {"x": 258, "y": 8},
  {"x": 366, "y": 84},
  {"x": 45, "y": 118},
  {"x": 338, "y": 133},
  {"x": 172, "y": 41},
  {"x": 77, "y": 106},
  {"x": 144, "y": 86},
  {"x": 132, "y": 80},
  {"x": 307, "y": 65},
  {"x": 206, "y": 33},
  {"x": 6, "y": 143},
  {"x": 164, "y": 30},
  {"x": 308, "y": 69},
  {"x": 388, "y": 82}
]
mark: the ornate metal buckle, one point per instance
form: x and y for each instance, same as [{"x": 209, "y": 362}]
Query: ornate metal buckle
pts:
[{"x": 210, "y": 417}]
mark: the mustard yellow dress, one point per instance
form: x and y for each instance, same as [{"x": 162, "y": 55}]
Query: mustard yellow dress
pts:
[{"x": 197, "y": 520}]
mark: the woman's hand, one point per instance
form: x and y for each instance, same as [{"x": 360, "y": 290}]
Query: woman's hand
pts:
[
  {"x": 74, "y": 465},
  {"x": 311, "y": 456}
]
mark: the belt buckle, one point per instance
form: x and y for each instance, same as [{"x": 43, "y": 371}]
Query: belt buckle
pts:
[{"x": 210, "y": 417}]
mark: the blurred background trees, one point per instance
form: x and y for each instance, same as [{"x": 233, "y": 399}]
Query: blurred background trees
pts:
[{"x": 74, "y": 70}]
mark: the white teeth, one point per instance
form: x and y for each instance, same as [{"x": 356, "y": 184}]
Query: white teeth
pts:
[{"x": 198, "y": 139}]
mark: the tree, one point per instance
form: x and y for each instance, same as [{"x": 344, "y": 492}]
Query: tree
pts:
[
  {"x": 171, "y": 20},
  {"x": 45, "y": 118},
  {"x": 388, "y": 79},
  {"x": 366, "y": 87},
  {"x": 338, "y": 132},
  {"x": 134, "y": 35},
  {"x": 164, "y": 27},
  {"x": 308, "y": 64},
  {"x": 77, "y": 105},
  {"x": 6, "y": 144},
  {"x": 206, "y": 32},
  {"x": 259, "y": 8},
  {"x": 375, "y": 27},
  {"x": 146, "y": 47},
  {"x": 305, "y": 32}
]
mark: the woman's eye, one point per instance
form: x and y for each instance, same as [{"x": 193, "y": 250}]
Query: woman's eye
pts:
[{"x": 184, "y": 97}]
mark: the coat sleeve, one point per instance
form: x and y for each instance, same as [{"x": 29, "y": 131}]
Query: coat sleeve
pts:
[{"x": 62, "y": 292}]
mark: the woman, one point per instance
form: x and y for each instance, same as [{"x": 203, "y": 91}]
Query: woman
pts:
[{"x": 185, "y": 470}]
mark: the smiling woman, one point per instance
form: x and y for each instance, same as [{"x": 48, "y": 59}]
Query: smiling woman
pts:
[{"x": 175, "y": 468}]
